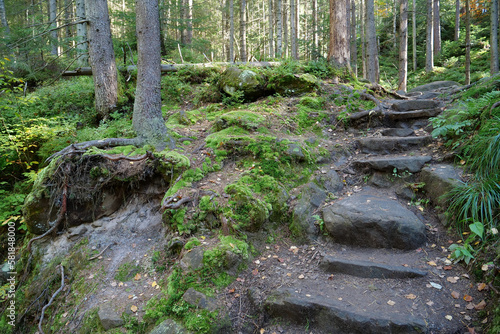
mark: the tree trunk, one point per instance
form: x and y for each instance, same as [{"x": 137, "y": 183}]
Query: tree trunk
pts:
[
  {"x": 147, "y": 119},
  {"x": 54, "y": 49},
  {"x": 315, "y": 52},
  {"x": 81, "y": 35},
  {"x": 3, "y": 18},
  {"x": 354, "y": 47},
  {"x": 414, "y": 34},
  {"x": 243, "y": 31},
  {"x": 293, "y": 29},
  {"x": 231, "y": 30},
  {"x": 271, "y": 29},
  {"x": 494, "y": 37},
  {"x": 338, "y": 49},
  {"x": 429, "y": 54},
  {"x": 189, "y": 22},
  {"x": 284, "y": 19},
  {"x": 183, "y": 20},
  {"x": 362, "y": 21},
  {"x": 68, "y": 16},
  {"x": 403, "y": 44},
  {"x": 279, "y": 31},
  {"x": 437, "y": 28},
  {"x": 102, "y": 56},
  {"x": 372, "y": 51},
  {"x": 467, "y": 42},
  {"x": 457, "y": 20},
  {"x": 394, "y": 24}
]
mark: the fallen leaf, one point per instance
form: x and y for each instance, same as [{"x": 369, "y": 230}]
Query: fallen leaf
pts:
[
  {"x": 432, "y": 263},
  {"x": 255, "y": 272},
  {"x": 137, "y": 277},
  {"x": 91, "y": 276},
  {"x": 449, "y": 317},
  {"x": 240, "y": 280},
  {"x": 289, "y": 274},
  {"x": 113, "y": 284},
  {"x": 485, "y": 267},
  {"x": 130, "y": 296},
  {"x": 468, "y": 298},
  {"x": 466, "y": 276},
  {"x": 435, "y": 285},
  {"x": 480, "y": 306},
  {"x": 330, "y": 277},
  {"x": 430, "y": 303},
  {"x": 154, "y": 284},
  {"x": 230, "y": 291},
  {"x": 65, "y": 314},
  {"x": 133, "y": 308},
  {"x": 390, "y": 302},
  {"x": 481, "y": 286},
  {"x": 469, "y": 306},
  {"x": 447, "y": 267},
  {"x": 455, "y": 295},
  {"x": 484, "y": 321},
  {"x": 471, "y": 330},
  {"x": 301, "y": 276},
  {"x": 452, "y": 279},
  {"x": 410, "y": 296},
  {"x": 262, "y": 331}
]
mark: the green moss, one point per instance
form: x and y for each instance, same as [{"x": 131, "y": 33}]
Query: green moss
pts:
[
  {"x": 233, "y": 133},
  {"x": 312, "y": 101},
  {"x": 216, "y": 257},
  {"x": 192, "y": 242},
  {"x": 172, "y": 158},
  {"x": 126, "y": 272},
  {"x": 242, "y": 118}
]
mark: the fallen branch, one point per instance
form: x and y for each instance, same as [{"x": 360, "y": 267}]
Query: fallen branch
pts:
[
  {"x": 59, "y": 219},
  {"x": 95, "y": 257},
  {"x": 51, "y": 300}
]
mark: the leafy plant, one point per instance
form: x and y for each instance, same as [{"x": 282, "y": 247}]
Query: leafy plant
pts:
[
  {"x": 321, "y": 224},
  {"x": 466, "y": 251}
]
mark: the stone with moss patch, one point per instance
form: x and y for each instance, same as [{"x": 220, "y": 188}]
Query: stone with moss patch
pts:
[
  {"x": 246, "y": 81},
  {"x": 242, "y": 118},
  {"x": 293, "y": 84}
]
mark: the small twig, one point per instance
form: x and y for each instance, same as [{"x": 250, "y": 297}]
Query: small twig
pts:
[
  {"x": 51, "y": 300},
  {"x": 493, "y": 288},
  {"x": 95, "y": 257}
]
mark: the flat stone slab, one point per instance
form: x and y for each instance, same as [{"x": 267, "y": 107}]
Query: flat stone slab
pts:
[
  {"x": 408, "y": 105},
  {"x": 368, "y": 220},
  {"x": 169, "y": 326},
  {"x": 411, "y": 164},
  {"x": 397, "y": 132},
  {"x": 439, "y": 180},
  {"x": 391, "y": 144},
  {"x": 434, "y": 86},
  {"x": 367, "y": 269},
  {"x": 109, "y": 317},
  {"x": 332, "y": 316}
]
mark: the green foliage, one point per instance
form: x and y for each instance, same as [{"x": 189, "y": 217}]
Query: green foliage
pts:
[
  {"x": 10, "y": 203},
  {"x": 173, "y": 88},
  {"x": 319, "y": 68},
  {"x": 126, "y": 272},
  {"x": 192, "y": 242},
  {"x": 466, "y": 251}
]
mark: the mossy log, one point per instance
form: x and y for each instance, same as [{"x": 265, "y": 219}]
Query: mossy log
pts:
[{"x": 81, "y": 71}]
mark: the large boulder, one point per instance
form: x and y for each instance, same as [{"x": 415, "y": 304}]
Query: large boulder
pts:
[
  {"x": 312, "y": 196},
  {"x": 369, "y": 220},
  {"x": 109, "y": 317},
  {"x": 293, "y": 84},
  {"x": 235, "y": 80},
  {"x": 434, "y": 86}
]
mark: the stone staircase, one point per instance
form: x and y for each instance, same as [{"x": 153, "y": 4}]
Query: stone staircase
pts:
[{"x": 383, "y": 266}]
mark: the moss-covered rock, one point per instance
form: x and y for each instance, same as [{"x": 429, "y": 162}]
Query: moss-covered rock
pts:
[
  {"x": 242, "y": 118},
  {"x": 293, "y": 84},
  {"x": 246, "y": 81},
  {"x": 249, "y": 211}
]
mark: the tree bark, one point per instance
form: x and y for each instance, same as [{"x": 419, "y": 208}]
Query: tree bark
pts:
[
  {"x": 81, "y": 35},
  {"x": 293, "y": 28},
  {"x": 338, "y": 49},
  {"x": 414, "y": 34},
  {"x": 354, "y": 47},
  {"x": 102, "y": 56},
  {"x": 53, "y": 26},
  {"x": 243, "y": 31},
  {"x": 271, "y": 29},
  {"x": 467, "y": 42},
  {"x": 494, "y": 38},
  {"x": 457, "y": 20},
  {"x": 231, "y": 30},
  {"x": 3, "y": 18},
  {"x": 147, "y": 119},
  {"x": 403, "y": 44},
  {"x": 284, "y": 19},
  {"x": 429, "y": 55},
  {"x": 279, "y": 31},
  {"x": 362, "y": 21},
  {"x": 372, "y": 50},
  {"x": 189, "y": 22},
  {"x": 68, "y": 16},
  {"x": 437, "y": 28},
  {"x": 315, "y": 52}
]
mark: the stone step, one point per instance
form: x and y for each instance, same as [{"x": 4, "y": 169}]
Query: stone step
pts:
[
  {"x": 409, "y": 105},
  {"x": 331, "y": 314},
  {"x": 367, "y": 269},
  {"x": 411, "y": 164},
  {"x": 369, "y": 219},
  {"x": 412, "y": 114},
  {"x": 391, "y": 144},
  {"x": 397, "y": 132}
]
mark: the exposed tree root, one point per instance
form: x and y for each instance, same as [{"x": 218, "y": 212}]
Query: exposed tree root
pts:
[
  {"x": 60, "y": 218},
  {"x": 101, "y": 143},
  {"x": 102, "y": 252},
  {"x": 51, "y": 300},
  {"x": 170, "y": 202}
]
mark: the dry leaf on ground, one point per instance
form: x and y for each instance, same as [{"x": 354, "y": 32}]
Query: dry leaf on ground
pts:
[
  {"x": 455, "y": 295},
  {"x": 410, "y": 296},
  {"x": 133, "y": 308},
  {"x": 480, "y": 306}
]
